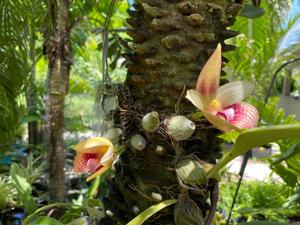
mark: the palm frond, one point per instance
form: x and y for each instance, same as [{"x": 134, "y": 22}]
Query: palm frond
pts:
[
  {"x": 16, "y": 21},
  {"x": 256, "y": 56}
]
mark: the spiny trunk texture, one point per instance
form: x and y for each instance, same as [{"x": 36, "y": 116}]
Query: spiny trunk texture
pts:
[
  {"x": 172, "y": 39},
  {"x": 58, "y": 50}
]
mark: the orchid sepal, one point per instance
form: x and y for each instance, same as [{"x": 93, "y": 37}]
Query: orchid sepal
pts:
[
  {"x": 221, "y": 124},
  {"x": 209, "y": 77}
]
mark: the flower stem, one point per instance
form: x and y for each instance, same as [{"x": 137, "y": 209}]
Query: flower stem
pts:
[{"x": 228, "y": 157}]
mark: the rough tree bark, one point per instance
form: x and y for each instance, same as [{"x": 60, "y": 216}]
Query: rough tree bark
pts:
[
  {"x": 31, "y": 92},
  {"x": 59, "y": 56}
]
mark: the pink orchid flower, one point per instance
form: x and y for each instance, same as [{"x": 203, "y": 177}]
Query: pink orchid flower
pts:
[
  {"x": 94, "y": 155},
  {"x": 222, "y": 105}
]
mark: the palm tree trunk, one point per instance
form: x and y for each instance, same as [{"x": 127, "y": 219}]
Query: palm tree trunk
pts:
[
  {"x": 58, "y": 50},
  {"x": 171, "y": 42}
]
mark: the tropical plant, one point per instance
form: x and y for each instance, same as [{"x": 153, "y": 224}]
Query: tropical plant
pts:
[
  {"x": 257, "y": 56},
  {"x": 146, "y": 166},
  {"x": 285, "y": 164},
  {"x": 13, "y": 42},
  {"x": 256, "y": 200},
  {"x": 22, "y": 179},
  {"x": 8, "y": 193}
]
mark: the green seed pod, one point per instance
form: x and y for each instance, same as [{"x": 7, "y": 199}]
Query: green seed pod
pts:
[
  {"x": 191, "y": 172},
  {"x": 150, "y": 121},
  {"x": 180, "y": 128},
  {"x": 187, "y": 213},
  {"x": 138, "y": 142},
  {"x": 113, "y": 135}
]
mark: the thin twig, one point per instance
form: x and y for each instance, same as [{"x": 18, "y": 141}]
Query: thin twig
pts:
[
  {"x": 275, "y": 76},
  {"x": 242, "y": 171},
  {"x": 214, "y": 195},
  {"x": 179, "y": 100}
]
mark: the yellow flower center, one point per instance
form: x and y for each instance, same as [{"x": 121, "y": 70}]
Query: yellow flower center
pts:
[{"x": 214, "y": 106}]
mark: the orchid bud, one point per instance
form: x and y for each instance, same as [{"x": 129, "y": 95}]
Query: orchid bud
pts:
[
  {"x": 191, "y": 172},
  {"x": 150, "y": 121},
  {"x": 138, "y": 142},
  {"x": 180, "y": 128}
]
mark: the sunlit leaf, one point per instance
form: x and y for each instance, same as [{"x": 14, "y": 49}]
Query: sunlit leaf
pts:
[
  {"x": 256, "y": 137},
  {"x": 42, "y": 220},
  {"x": 142, "y": 217},
  {"x": 289, "y": 153},
  {"x": 18, "y": 176},
  {"x": 293, "y": 199},
  {"x": 286, "y": 174},
  {"x": 29, "y": 219},
  {"x": 31, "y": 118}
]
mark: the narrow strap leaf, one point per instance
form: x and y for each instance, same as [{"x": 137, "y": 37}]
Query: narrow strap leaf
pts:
[{"x": 142, "y": 217}]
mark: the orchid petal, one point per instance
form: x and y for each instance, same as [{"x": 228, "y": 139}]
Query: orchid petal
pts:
[
  {"x": 108, "y": 157},
  {"x": 98, "y": 173},
  {"x": 234, "y": 92},
  {"x": 194, "y": 98},
  {"x": 94, "y": 144},
  {"x": 81, "y": 162},
  {"x": 220, "y": 123},
  {"x": 209, "y": 78},
  {"x": 245, "y": 116}
]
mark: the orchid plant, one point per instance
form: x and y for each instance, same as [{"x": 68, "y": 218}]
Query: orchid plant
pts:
[
  {"x": 222, "y": 105},
  {"x": 94, "y": 155}
]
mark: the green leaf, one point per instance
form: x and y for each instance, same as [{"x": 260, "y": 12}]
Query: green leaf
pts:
[
  {"x": 93, "y": 212},
  {"x": 94, "y": 188},
  {"x": 294, "y": 198},
  {"x": 252, "y": 12},
  {"x": 286, "y": 174},
  {"x": 83, "y": 221},
  {"x": 256, "y": 137},
  {"x": 294, "y": 150},
  {"x": 28, "y": 219},
  {"x": 31, "y": 118},
  {"x": 263, "y": 223},
  {"x": 268, "y": 211},
  {"x": 142, "y": 217},
  {"x": 20, "y": 182},
  {"x": 42, "y": 220},
  {"x": 230, "y": 136}
]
